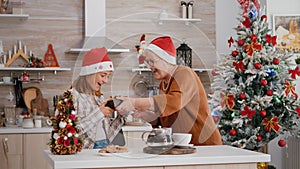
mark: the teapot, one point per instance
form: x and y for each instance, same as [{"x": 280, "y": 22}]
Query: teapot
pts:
[{"x": 158, "y": 138}]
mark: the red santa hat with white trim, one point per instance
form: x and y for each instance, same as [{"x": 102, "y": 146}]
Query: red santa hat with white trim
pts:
[
  {"x": 164, "y": 48},
  {"x": 96, "y": 60}
]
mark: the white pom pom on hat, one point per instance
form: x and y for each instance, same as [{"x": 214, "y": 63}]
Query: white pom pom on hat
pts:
[
  {"x": 164, "y": 48},
  {"x": 96, "y": 60}
]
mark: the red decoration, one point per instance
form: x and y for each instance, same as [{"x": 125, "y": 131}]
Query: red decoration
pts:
[
  {"x": 276, "y": 61},
  {"x": 248, "y": 112},
  {"x": 271, "y": 39},
  {"x": 232, "y": 132},
  {"x": 250, "y": 48},
  {"x": 271, "y": 124},
  {"x": 234, "y": 53},
  {"x": 227, "y": 99},
  {"x": 289, "y": 88},
  {"x": 263, "y": 17},
  {"x": 263, "y": 82},
  {"x": 239, "y": 66},
  {"x": 246, "y": 3},
  {"x": 258, "y": 138},
  {"x": 214, "y": 72},
  {"x": 294, "y": 72},
  {"x": 242, "y": 96},
  {"x": 269, "y": 92},
  {"x": 230, "y": 41},
  {"x": 262, "y": 113},
  {"x": 298, "y": 111},
  {"x": 257, "y": 65},
  {"x": 247, "y": 22},
  {"x": 281, "y": 143},
  {"x": 50, "y": 58},
  {"x": 241, "y": 42}
]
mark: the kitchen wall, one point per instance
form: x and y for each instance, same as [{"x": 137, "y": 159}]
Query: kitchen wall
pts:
[{"x": 61, "y": 23}]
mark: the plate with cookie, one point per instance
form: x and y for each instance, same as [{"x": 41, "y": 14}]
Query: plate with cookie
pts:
[{"x": 113, "y": 150}]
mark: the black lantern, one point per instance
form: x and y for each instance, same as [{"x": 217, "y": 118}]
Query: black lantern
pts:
[{"x": 184, "y": 55}]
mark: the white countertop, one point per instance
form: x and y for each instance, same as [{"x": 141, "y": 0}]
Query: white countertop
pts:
[
  {"x": 20, "y": 130},
  {"x": 90, "y": 158}
]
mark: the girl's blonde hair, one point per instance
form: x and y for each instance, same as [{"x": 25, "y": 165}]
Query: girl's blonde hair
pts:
[{"x": 84, "y": 84}]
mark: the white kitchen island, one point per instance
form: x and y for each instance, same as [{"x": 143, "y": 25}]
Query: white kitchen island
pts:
[{"x": 206, "y": 157}]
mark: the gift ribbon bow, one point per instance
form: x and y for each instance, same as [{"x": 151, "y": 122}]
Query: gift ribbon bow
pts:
[
  {"x": 294, "y": 72},
  {"x": 246, "y": 3},
  {"x": 271, "y": 124},
  {"x": 248, "y": 112},
  {"x": 252, "y": 46},
  {"x": 271, "y": 39},
  {"x": 227, "y": 99},
  {"x": 239, "y": 66},
  {"x": 298, "y": 111},
  {"x": 289, "y": 87}
]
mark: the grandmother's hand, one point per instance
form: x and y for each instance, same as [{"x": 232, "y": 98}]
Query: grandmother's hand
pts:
[
  {"x": 126, "y": 107},
  {"x": 107, "y": 111}
]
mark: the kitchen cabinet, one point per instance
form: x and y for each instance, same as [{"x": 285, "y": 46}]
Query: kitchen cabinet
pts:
[
  {"x": 34, "y": 146},
  {"x": 25, "y": 148},
  {"x": 11, "y": 151}
]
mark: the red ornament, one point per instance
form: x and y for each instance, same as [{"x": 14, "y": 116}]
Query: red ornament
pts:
[
  {"x": 258, "y": 138},
  {"x": 242, "y": 96},
  {"x": 281, "y": 143},
  {"x": 232, "y": 132},
  {"x": 263, "y": 82},
  {"x": 214, "y": 72},
  {"x": 269, "y": 92},
  {"x": 262, "y": 113},
  {"x": 276, "y": 61},
  {"x": 241, "y": 42},
  {"x": 234, "y": 53},
  {"x": 264, "y": 17},
  {"x": 257, "y": 65}
]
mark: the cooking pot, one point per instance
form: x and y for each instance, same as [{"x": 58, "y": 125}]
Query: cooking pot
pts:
[{"x": 158, "y": 138}]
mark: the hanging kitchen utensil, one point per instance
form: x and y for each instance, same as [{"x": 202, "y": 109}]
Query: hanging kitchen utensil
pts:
[{"x": 141, "y": 88}]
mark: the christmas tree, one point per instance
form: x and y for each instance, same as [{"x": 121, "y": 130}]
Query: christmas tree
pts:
[
  {"x": 253, "y": 86},
  {"x": 65, "y": 137}
]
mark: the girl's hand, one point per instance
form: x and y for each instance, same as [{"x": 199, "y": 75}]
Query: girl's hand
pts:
[
  {"x": 126, "y": 106},
  {"x": 106, "y": 110}
]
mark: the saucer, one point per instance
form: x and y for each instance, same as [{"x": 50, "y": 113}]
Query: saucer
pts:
[{"x": 184, "y": 145}]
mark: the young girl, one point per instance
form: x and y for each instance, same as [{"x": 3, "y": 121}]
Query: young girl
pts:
[{"x": 93, "y": 115}]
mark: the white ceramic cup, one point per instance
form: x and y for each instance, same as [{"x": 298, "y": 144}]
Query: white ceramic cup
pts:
[
  {"x": 181, "y": 138},
  {"x": 6, "y": 79}
]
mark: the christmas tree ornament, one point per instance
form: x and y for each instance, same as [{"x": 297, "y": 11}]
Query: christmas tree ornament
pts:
[
  {"x": 262, "y": 113},
  {"x": 276, "y": 61},
  {"x": 232, "y": 132},
  {"x": 269, "y": 92},
  {"x": 242, "y": 96},
  {"x": 258, "y": 138},
  {"x": 234, "y": 53},
  {"x": 263, "y": 82},
  {"x": 257, "y": 65},
  {"x": 281, "y": 143},
  {"x": 240, "y": 42}
]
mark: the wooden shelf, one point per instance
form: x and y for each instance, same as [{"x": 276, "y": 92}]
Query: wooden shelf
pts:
[
  {"x": 15, "y": 16},
  {"x": 54, "y": 69},
  {"x": 180, "y": 19},
  {"x": 186, "y": 20},
  {"x": 148, "y": 70},
  {"x": 78, "y": 50}
]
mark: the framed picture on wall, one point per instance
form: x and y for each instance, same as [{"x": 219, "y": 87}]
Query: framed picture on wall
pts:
[{"x": 287, "y": 29}]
